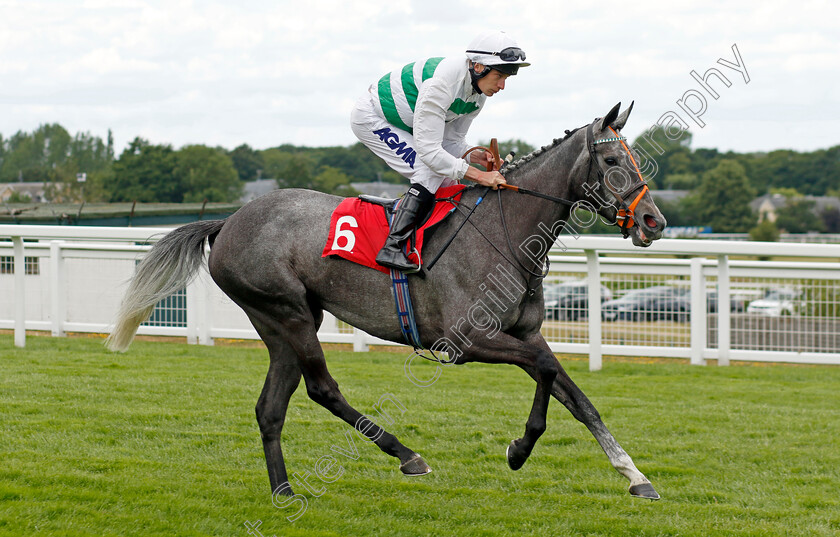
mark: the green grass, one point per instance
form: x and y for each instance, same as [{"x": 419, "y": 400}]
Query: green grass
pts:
[{"x": 163, "y": 441}]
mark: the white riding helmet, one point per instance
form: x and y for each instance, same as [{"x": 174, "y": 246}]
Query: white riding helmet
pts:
[{"x": 497, "y": 50}]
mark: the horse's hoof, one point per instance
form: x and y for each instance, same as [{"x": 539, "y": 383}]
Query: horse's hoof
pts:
[
  {"x": 415, "y": 466},
  {"x": 514, "y": 459},
  {"x": 645, "y": 490}
]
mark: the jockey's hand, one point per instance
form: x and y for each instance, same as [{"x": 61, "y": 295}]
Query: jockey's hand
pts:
[
  {"x": 483, "y": 158},
  {"x": 491, "y": 179}
]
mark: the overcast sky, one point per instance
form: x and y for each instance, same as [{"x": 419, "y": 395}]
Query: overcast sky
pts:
[{"x": 274, "y": 72}]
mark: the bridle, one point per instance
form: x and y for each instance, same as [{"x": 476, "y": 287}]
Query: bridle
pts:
[{"x": 625, "y": 215}]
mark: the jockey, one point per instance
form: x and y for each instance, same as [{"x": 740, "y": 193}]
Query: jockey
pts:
[{"x": 416, "y": 119}]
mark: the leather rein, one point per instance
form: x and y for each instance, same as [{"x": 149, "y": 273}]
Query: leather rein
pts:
[
  {"x": 624, "y": 213},
  {"x": 498, "y": 164}
]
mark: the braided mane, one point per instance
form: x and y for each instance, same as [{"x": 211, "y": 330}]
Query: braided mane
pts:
[{"x": 519, "y": 163}]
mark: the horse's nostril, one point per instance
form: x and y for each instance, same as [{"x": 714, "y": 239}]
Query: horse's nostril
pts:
[{"x": 651, "y": 222}]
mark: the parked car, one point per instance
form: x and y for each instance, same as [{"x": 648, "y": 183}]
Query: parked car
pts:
[
  {"x": 569, "y": 301},
  {"x": 650, "y": 304},
  {"x": 682, "y": 309},
  {"x": 736, "y": 304},
  {"x": 777, "y": 302}
]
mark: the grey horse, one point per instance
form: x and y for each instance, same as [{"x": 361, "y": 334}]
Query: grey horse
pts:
[{"x": 482, "y": 302}]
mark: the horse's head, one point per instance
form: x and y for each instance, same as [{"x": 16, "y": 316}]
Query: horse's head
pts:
[{"x": 614, "y": 183}]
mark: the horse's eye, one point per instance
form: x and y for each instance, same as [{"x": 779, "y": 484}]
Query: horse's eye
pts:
[{"x": 610, "y": 161}]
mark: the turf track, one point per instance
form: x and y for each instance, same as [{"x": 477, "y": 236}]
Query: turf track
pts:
[{"x": 163, "y": 441}]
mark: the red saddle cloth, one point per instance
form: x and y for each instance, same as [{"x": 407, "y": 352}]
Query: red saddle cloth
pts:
[{"x": 358, "y": 229}]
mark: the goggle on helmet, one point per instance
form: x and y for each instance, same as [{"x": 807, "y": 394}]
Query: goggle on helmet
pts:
[{"x": 498, "y": 51}]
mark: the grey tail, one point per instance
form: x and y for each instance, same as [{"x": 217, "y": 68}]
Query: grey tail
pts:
[{"x": 170, "y": 265}]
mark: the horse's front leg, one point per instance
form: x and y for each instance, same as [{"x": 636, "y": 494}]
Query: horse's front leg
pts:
[
  {"x": 505, "y": 349},
  {"x": 573, "y": 398},
  {"x": 584, "y": 411}
]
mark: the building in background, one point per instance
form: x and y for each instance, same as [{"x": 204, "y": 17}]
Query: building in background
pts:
[
  {"x": 767, "y": 205},
  {"x": 252, "y": 190},
  {"x": 32, "y": 192},
  {"x": 380, "y": 189}
]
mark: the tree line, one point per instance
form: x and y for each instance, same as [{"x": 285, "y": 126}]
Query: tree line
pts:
[
  {"x": 721, "y": 184},
  {"x": 148, "y": 172}
]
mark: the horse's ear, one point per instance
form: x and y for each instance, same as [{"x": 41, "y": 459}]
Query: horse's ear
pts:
[
  {"x": 610, "y": 117},
  {"x": 619, "y": 123}
]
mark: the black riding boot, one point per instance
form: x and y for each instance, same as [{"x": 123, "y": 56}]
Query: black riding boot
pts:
[{"x": 411, "y": 209}]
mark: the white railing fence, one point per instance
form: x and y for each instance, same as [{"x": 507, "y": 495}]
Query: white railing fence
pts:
[{"x": 71, "y": 279}]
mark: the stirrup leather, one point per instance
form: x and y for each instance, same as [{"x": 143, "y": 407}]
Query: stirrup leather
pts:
[{"x": 411, "y": 209}]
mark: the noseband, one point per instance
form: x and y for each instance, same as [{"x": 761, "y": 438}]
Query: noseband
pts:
[{"x": 625, "y": 214}]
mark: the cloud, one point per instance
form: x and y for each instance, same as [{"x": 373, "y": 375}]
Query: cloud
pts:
[
  {"x": 268, "y": 72},
  {"x": 107, "y": 61}
]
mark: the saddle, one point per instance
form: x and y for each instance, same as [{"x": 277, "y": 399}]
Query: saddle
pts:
[
  {"x": 359, "y": 226},
  {"x": 388, "y": 203}
]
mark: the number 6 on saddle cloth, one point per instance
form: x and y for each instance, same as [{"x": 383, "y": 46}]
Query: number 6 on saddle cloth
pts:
[{"x": 359, "y": 228}]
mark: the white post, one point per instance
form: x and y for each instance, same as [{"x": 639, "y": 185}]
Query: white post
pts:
[
  {"x": 194, "y": 313},
  {"x": 723, "y": 309},
  {"x": 698, "y": 311},
  {"x": 20, "y": 293},
  {"x": 203, "y": 301},
  {"x": 359, "y": 341},
  {"x": 593, "y": 279},
  {"x": 58, "y": 293},
  {"x": 329, "y": 325}
]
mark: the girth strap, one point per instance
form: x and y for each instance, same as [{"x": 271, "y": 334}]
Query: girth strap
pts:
[{"x": 405, "y": 311}]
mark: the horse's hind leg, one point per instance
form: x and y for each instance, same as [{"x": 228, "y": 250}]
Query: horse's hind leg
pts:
[
  {"x": 323, "y": 389},
  {"x": 280, "y": 383},
  {"x": 295, "y": 323}
]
